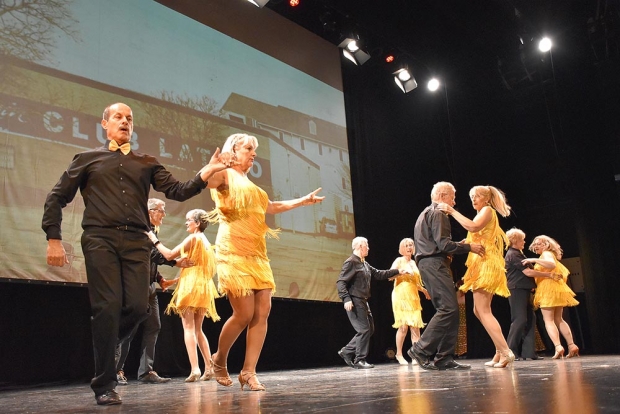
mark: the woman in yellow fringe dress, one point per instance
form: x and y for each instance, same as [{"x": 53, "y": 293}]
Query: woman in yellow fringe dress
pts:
[
  {"x": 194, "y": 297},
  {"x": 406, "y": 299},
  {"x": 486, "y": 275},
  {"x": 243, "y": 269},
  {"x": 553, "y": 294}
]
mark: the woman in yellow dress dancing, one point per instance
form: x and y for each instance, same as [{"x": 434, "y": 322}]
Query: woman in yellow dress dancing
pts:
[
  {"x": 244, "y": 273},
  {"x": 553, "y": 294},
  {"x": 194, "y": 297},
  {"x": 406, "y": 299},
  {"x": 486, "y": 275}
]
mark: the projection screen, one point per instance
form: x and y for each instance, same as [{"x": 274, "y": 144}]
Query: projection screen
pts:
[{"x": 193, "y": 73}]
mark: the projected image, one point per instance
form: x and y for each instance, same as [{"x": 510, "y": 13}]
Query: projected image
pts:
[{"x": 189, "y": 87}]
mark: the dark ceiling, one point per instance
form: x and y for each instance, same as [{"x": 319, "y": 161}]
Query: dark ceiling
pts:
[{"x": 473, "y": 40}]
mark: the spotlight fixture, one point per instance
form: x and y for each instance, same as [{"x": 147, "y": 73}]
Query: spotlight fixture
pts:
[
  {"x": 405, "y": 80},
  {"x": 545, "y": 44},
  {"x": 352, "y": 51},
  {"x": 259, "y": 3},
  {"x": 433, "y": 85},
  {"x": 293, "y": 3}
]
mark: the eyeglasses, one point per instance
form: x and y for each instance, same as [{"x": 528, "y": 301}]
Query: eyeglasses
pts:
[{"x": 162, "y": 211}]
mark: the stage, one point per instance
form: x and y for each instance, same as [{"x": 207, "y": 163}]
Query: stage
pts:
[{"x": 588, "y": 384}]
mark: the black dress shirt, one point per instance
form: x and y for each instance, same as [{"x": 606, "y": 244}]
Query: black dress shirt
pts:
[
  {"x": 432, "y": 235},
  {"x": 355, "y": 276},
  {"x": 115, "y": 188},
  {"x": 514, "y": 271}
]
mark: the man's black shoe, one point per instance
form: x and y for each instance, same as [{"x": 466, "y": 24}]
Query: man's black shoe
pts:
[
  {"x": 536, "y": 358},
  {"x": 362, "y": 364},
  {"x": 452, "y": 365},
  {"x": 109, "y": 397},
  {"x": 153, "y": 378},
  {"x": 346, "y": 358},
  {"x": 422, "y": 360}
]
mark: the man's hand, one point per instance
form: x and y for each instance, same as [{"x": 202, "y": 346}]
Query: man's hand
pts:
[
  {"x": 56, "y": 255},
  {"x": 184, "y": 262},
  {"x": 477, "y": 249},
  {"x": 165, "y": 283},
  {"x": 556, "y": 276},
  {"x": 348, "y": 306}
]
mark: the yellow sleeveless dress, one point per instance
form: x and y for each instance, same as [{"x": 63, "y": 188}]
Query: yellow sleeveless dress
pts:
[
  {"x": 241, "y": 246},
  {"x": 551, "y": 293},
  {"x": 487, "y": 272},
  {"x": 195, "y": 290},
  {"x": 405, "y": 297}
]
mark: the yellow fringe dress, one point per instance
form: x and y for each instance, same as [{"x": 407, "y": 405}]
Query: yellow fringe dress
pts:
[
  {"x": 195, "y": 290},
  {"x": 551, "y": 293},
  {"x": 487, "y": 272},
  {"x": 241, "y": 253},
  {"x": 405, "y": 297}
]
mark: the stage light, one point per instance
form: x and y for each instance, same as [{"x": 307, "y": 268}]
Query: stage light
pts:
[
  {"x": 405, "y": 81},
  {"x": 294, "y": 3},
  {"x": 389, "y": 58},
  {"x": 259, "y": 3},
  {"x": 545, "y": 44},
  {"x": 352, "y": 51},
  {"x": 433, "y": 85}
]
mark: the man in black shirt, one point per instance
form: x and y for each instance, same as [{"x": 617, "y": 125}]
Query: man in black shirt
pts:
[
  {"x": 354, "y": 290},
  {"x": 521, "y": 337},
  {"x": 433, "y": 250},
  {"x": 115, "y": 187},
  {"x": 151, "y": 325}
]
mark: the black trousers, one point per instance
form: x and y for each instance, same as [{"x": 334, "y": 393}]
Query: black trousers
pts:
[
  {"x": 150, "y": 330},
  {"x": 117, "y": 269},
  {"x": 439, "y": 336},
  {"x": 521, "y": 337},
  {"x": 361, "y": 319}
]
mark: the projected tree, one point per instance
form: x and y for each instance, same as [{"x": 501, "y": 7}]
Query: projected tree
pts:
[
  {"x": 28, "y": 28},
  {"x": 189, "y": 118}
]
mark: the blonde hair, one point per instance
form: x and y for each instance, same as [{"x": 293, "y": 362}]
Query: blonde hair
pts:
[
  {"x": 235, "y": 140},
  {"x": 496, "y": 197},
  {"x": 514, "y": 235},
  {"x": 549, "y": 245},
  {"x": 401, "y": 246}
]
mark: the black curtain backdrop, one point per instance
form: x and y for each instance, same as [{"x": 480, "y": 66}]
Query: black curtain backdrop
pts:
[{"x": 548, "y": 145}]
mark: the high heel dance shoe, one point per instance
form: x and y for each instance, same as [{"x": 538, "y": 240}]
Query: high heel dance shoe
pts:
[
  {"x": 208, "y": 373},
  {"x": 559, "y": 352},
  {"x": 249, "y": 378},
  {"x": 494, "y": 361},
  {"x": 506, "y": 360},
  {"x": 221, "y": 379},
  {"x": 401, "y": 360},
  {"x": 193, "y": 377},
  {"x": 573, "y": 351}
]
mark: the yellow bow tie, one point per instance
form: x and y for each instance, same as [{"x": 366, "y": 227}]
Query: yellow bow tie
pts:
[
  {"x": 125, "y": 148},
  {"x": 155, "y": 229}
]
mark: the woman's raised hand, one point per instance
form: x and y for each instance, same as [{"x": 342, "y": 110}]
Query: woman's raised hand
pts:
[
  {"x": 312, "y": 198},
  {"x": 445, "y": 208}
]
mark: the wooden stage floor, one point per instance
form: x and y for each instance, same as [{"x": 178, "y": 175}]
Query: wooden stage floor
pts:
[{"x": 588, "y": 384}]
